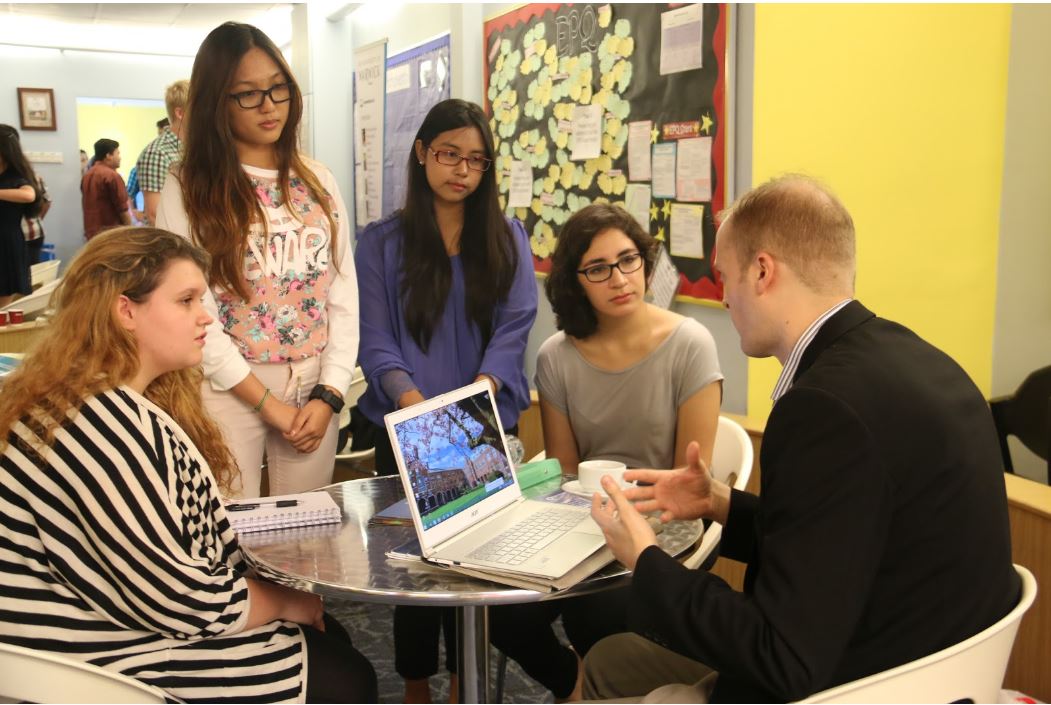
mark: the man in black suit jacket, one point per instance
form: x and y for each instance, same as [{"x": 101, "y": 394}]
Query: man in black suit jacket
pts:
[{"x": 881, "y": 531}]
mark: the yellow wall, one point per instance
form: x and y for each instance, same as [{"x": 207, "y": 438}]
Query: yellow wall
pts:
[
  {"x": 132, "y": 126},
  {"x": 900, "y": 110}
]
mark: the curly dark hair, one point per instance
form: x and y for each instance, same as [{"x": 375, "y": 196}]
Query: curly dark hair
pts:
[{"x": 573, "y": 312}]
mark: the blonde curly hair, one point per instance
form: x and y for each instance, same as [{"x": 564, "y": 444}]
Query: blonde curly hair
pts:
[{"x": 86, "y": 351}]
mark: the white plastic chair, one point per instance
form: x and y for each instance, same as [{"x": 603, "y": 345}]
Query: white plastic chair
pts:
[
  {"x": 40, "y": 677},
  {"x": 971, "y": 671},
  {"x": 357, "y": 388},
  {"x": 732, "y": 464}
]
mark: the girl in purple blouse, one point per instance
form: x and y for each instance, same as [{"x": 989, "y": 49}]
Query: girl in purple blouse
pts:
[{"x": 447, "y": 297}]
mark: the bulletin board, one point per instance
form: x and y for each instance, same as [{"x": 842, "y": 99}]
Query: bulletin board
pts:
[
  {"x": 417, "y": 79},
  {"x": 545, "y": 64}
]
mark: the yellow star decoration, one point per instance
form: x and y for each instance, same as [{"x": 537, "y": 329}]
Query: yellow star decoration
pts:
[
  {"x": 706, "y": 124},
  {"x": 666, "y": 210},
  {"x": 654, "y": 134},
  {"x": 660, "y": 233},
  {"x": 653, "y": 211}
]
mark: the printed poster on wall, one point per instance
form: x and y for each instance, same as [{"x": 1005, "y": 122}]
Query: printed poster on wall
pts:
[
  {"x": 590, "y": 96},
  {"x": 369, "y": 78},
  {"x": 417, "y": 79}
]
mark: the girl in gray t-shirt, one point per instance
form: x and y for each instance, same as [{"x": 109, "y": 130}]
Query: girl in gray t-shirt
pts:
[{"x": 622, "y": 380}]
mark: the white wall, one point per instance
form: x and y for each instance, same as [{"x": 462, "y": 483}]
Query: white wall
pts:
[
  {"x": 71, "y": 74},
  {"x": 1022, "y": 336}
]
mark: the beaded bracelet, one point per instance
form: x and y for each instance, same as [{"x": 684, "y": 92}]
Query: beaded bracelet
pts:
[{"x": 262, "y": 401}]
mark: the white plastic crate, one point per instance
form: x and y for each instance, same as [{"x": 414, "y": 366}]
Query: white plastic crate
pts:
[{"x": 44, "y": 272}]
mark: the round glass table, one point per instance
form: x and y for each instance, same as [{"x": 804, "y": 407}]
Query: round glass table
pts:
[{"x": 349, "y": 560}]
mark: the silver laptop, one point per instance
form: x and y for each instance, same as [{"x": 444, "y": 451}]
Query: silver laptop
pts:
[{"x": 464, "y": 496}]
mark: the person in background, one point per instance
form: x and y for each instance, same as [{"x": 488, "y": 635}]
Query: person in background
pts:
[
  {"x": 19, "y": 197},
  {"x": 134, "y": 193},
  {"x": 104, "y": 197},
  {"x": 162, "y": 124},
  {"x": 883, "y": 502},
  {"x": 621, "y": 380},
  {"x": 33, "y": 226},
  {"x": 448, "y": 298},
  {"x": 84, "y": 164},
  {"x": 281, "y": 353},
  {"x": 117, "y": 547},
  {"x": 157, "y": 157}
]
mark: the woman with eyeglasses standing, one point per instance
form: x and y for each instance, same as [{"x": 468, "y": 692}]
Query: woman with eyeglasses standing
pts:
[
  {"x": 281, "y": 352},
  {"x": 448, "y": 298}
]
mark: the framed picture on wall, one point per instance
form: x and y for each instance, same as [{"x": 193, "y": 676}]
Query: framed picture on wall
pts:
[{"x": 36, "y": 108}]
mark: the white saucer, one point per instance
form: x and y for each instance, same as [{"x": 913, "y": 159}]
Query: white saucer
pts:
[{"x": 573, "y": 487}]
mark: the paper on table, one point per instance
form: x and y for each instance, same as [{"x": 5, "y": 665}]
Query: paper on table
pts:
[
  {"x": 396, "y": 514},
  {"x": 687, "y": 230},
  {"x": 587, "y": 132},
  {"x": 639, "y": 150},
  {"x": 637, "y": 202},
  {"x": 681, "y": 39},
  {"x": 520, "y": 192},
  {"x": 693, "y": 170},
  {"x": 664, "y": 170}
]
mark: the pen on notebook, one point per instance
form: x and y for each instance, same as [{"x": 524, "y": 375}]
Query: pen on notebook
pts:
[{"x": 244, "y": 506}]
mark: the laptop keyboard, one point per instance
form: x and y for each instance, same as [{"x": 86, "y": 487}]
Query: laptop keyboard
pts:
[{"x": 522, "y": 541}]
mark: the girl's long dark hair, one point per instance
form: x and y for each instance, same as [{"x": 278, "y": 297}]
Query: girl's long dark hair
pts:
[
  {"x": 218, "y": 196},
  {"x": 11, "y": 153},
  {"x": 487, "y": 248}
]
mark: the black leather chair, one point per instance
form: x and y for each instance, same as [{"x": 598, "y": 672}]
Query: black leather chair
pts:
[{"x": 1026, "y": 414}]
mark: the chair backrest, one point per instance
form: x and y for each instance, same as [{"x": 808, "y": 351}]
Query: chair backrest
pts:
[
  {"x": 357, "y": 388},
  {"x": 1026, "y": 414},
  {"x": 972, "y": 670},
  {"x": 354, "y": 392},
  {"x": 41, "y": 677},
  {"x": 732, "y": 464}
]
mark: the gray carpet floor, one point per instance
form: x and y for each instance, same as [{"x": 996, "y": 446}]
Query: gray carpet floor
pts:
[{"x": 371, "y": 626}]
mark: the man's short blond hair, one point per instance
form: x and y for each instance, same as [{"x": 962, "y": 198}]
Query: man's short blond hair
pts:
[
  {"x": 175, "y": 96},
  {"x": 798, "y": 220}
]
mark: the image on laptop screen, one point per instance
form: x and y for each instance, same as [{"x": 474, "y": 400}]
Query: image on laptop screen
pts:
[{"x": 454, "y": 456}]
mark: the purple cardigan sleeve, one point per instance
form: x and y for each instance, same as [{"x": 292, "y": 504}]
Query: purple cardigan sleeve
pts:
[
  {"x": 379, "y": 351},
  {"x": 504, "y": 357}
]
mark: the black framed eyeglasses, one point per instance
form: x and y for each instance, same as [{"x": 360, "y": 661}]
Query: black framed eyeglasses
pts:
[
  {"x": 278, "y": 93},
  {"x": 448, "y": 157},
  {"x": 627, "y": 264}
]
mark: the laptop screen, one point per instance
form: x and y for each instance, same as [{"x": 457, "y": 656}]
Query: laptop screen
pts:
[{"x": 454, "y": 456}]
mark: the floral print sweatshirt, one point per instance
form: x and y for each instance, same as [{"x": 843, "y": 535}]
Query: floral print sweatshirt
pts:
[{"x": 299, "y": 304}]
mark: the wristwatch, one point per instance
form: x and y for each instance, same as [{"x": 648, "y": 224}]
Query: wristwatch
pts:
[{"x": 326, "y": 395}]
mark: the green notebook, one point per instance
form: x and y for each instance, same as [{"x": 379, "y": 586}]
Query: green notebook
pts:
[{"x": 530, "y": 474}]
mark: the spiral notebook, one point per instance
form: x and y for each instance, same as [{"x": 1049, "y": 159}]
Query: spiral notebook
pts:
[{"x": 283, "y": 511}]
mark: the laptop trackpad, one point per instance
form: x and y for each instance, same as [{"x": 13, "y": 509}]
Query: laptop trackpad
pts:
[
  {"x": 588, "y": 526},
  {"x": 568, "y": 551}
]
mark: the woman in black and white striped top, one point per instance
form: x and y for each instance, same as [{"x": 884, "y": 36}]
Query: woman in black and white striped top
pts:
[{"x": 114, "y": 545}]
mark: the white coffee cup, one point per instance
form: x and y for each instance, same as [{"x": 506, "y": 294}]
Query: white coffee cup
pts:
[{"x": 590, "y": 473}]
